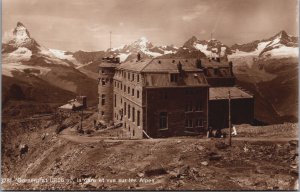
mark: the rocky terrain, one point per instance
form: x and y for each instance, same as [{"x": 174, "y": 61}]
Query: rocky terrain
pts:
[{"x": 260, "y": 158}]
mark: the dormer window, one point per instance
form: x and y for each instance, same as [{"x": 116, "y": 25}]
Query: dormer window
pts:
[{"x": 174, "y": 77}]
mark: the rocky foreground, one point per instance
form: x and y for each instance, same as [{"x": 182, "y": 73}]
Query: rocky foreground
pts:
[{"x": 34, "y": 156}]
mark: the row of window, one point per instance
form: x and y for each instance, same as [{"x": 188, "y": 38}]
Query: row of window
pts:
[
  {"x": 189, "y": 123},
  {"x": 191, "y": 107},
  {"x": 132, "y": 113},
  {"x": 197, "y": 123},
  {"x": 129, "y": 76},
  {"x": 127, "y": 89},
  {"x": 103, "y": 81}
]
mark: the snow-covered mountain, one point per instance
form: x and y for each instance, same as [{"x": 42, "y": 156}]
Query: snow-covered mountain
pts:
[
  {"x": 210, "y": 48},
  {"x": 143, "y": 46},
  {"x": 280, "y": 45},
  {"x": 27, "y": 62}
]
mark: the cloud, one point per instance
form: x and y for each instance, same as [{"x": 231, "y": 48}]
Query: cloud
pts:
[{"x": 195, "y": 12}]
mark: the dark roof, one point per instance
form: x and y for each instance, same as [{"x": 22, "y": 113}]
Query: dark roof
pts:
[
  {"x": 159, "y": 65},
  {"x": 190, "y": 79},
  {"x": 216, "y": 93},
  {"x": 169, "y": 65},
  {"x": 213, "y": 64},
  {"x": 134, "y": 65}
]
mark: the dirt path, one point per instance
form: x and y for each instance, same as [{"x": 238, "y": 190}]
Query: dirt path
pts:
[{"x": 71, "y": 135}]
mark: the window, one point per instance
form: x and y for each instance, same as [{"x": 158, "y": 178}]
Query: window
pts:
[
  {"x": 133, "y": 133},
  {"x": 188, "y": 123},
  {"x": 199, "y": 123},
  {"x": 163, "y": 120},
  {"x": 121, "y": 101},
  {"x": 128, "y": 76},
  {"x": 132, "y": 77},
  {"x": 138, "y": 118},
  {"x": 133, "y": 114},
  {"x": 124, "y": 88},
  {"x": 216, "y": 71},
  {"x": 121, "y": 86},
  {"x": 102, "y": 113},
  {"x": 103, "y": 99},
  {"x": 124, "y": 108},
  {"x": 128, "y": 111},
  {"x": 132, "y": 92},
  {"x": 199, "y": 106},
  {"x": 138, "y": 94},
  {"x": 138, "y": 78},
  {"x": 118, "y": 84},
  {"x": 102, "y": 71},
  {"x": 103, "y": 82},
  {"x": 115, "y": 84},
  {"x": 115, "y": 100},
  {"x": 128, "y": 90},
  {"x": 174, "y": 77}
]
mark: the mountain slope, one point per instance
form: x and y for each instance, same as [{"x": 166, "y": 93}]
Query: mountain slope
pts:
[
  {"x": 142, "y": 46},
  {"x": 53, "y": 71},
  {"x": 269, "y": 68}
]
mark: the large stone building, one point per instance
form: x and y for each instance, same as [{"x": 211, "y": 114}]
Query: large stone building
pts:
[{"x": 162, "y": 97}]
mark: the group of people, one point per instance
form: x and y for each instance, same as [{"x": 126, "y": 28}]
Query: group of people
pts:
[{"x": 217, "y": 133}]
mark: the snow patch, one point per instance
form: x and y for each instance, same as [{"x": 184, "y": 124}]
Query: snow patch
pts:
[
  {"x": 123, "y": 56},
  {"x": 22, "y": 53},
  {"x": 283, "y": 52},
  {"x": 7, "y": 69}
]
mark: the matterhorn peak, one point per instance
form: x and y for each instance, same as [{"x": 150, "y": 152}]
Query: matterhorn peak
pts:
[
  {"x": 21, "y": 32},
  {"x": 21, "y": 37},
  {"x": 19, "y": 24}
]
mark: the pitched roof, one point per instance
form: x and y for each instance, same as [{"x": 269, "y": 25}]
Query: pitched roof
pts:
[
  {"x": 159, "y": 65},
  {"x": 169, "y": 65},
  {"x": 134, "y": 65},
  {"x": 213, "y": 64},
  {"x": 219, "y": 93},
  {"x": 155, "y": 80}
]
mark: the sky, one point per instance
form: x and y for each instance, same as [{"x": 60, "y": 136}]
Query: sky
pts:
[{"x": 85, "y": 24}]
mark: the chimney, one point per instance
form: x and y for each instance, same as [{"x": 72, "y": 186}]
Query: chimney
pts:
[
  {"x": 218, "y": 59},
  {"x": 199, "y": 64},
  {"x": 179, "y": 66},
  {"x": 138, "y": 57},
  {"x": 230, "y": 66}
]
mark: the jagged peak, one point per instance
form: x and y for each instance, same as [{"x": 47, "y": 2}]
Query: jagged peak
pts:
[
  {"x": 19, "y": 24},
  {"x": 21, "y": 31}
]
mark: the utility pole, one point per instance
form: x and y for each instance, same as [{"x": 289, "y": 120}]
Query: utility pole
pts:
[
  {"x": 110, "y": 40},
  {"x": 211, "y": 45},
  {"x": 229, "y": 116},
  {"x": 81, "y": 118}
]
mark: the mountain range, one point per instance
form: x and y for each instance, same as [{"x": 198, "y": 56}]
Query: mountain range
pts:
[{"x": 31, "y": 66}]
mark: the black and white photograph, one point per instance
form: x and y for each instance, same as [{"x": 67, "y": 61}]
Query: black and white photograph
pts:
[{"x": 153, "y": 95}]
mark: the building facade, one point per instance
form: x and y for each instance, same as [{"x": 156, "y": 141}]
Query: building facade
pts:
[
  {"x": 168, "y": 97},
  {"x": 105, "y": 89},
  {"x": 152, "y": 95}
]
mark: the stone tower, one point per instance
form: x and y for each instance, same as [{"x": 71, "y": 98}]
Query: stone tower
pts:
[{"x": 105, "y": 89}]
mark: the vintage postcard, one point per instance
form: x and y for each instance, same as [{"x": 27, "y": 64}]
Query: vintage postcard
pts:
[{"x": 149, "y": 95}]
